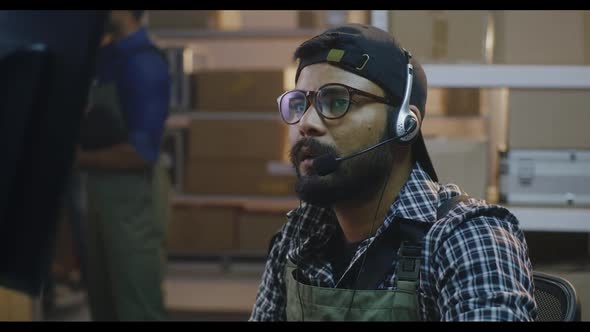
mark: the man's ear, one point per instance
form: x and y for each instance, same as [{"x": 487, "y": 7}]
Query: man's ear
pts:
[{"x": 414, "y": 109}]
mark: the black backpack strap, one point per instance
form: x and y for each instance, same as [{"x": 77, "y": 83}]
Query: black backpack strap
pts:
[
  {"x": 378, "y": 260},
  {"x": 410, "y": 250},
  {"x": 410, "y": 253},
  {"x": 404, "y": 238}
]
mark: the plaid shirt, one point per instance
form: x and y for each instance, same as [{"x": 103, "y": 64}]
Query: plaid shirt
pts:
[{"x": 475, "y": 262}]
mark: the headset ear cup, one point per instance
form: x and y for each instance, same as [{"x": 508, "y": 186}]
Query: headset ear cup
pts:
[
  {"x": 412, "y": 117},
  {"x": 392, "y": 121},
  {"x": 402, "y": 121}
]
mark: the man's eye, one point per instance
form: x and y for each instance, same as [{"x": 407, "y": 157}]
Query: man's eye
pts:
[
  {"x": 298, "y": 106},
  {"x": 340, "y": 103}
]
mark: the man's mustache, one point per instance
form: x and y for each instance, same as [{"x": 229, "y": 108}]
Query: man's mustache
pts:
[{"x": 312, "y": 147}]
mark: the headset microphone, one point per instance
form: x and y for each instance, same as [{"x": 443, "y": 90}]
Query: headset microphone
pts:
[{"x": 327, "y": 163}]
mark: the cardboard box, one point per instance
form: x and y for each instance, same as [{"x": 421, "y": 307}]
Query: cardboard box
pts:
[
  {"x": 311, "y": 19},
  {"x": 548, "y": 119},
  {"x": 229, "y": 20},
  {"x": 453, "y": 101},
  {"x": 359, "y": 16},
  {"x": 182, "y": 19},
  {"x": 463, "y": 162},
  {"x": 234, "y": 20},
  {"x": 255, "y": 229},
  {"x": 235, "y": 177},
  {"x": 237, "y": 90},
  {"x": 463, "y": 101},
  {"x": 436, "y": 102},
  {"x": 201, "y": 229},
  {"x": 442, "y": 36},
  {"x": 548, "y": 37},
  {"x": 269, "y": 19},
  {"x": 232, "y": 138},
  {"x": 239, "y": 53},
  {"x": 15, "y": 306},
  {"x": 454, "y": 127}
]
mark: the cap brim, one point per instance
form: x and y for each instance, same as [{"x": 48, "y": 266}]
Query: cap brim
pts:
[{"x": 420, "y": 154}]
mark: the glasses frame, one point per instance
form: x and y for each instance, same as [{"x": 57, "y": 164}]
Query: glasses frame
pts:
[{"x": 310, "y": 99}]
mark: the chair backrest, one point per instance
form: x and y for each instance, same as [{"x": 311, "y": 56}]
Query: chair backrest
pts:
[{"x": 556, "y": 298}]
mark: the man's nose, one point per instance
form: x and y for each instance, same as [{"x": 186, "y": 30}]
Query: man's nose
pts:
[{"x": 311, "y": 124}]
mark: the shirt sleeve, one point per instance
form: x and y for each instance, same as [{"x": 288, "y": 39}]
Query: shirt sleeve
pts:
[
  {"x": 271, "y": 299},
  {"x": 483, "y": 273},
  {"x": 144, "y": 93}
]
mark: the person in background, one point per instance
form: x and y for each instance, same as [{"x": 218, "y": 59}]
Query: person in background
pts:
[
  {"x": 376, "y": 236},
  {"x": 73, "y": 210},
  {"x": 126, "y": 184}
]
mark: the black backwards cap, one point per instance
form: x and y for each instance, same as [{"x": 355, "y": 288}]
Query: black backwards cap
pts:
[{"x": 375, "y": 55}]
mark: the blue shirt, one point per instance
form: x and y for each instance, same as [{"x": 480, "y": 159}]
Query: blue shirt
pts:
[{"x": 143, "y": 87}]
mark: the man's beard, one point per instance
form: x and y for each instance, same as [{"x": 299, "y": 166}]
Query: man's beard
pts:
[{"x": 355, "y": 179}]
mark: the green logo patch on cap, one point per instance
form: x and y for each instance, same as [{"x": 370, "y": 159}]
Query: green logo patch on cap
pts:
[{"x": 335, "y": 55}]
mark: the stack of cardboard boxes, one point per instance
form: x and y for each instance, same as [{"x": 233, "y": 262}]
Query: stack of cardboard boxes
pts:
[
  {"x": 441, "y": 36},
  {"x": 523, "y": 119},
  {"x": 231, "y": 156},
  {"x": 234, "y": 134},
  {"x": 547, "y": 159},
  {"x": 235, "y": 20},
  {"x": 234, "y": 137}
]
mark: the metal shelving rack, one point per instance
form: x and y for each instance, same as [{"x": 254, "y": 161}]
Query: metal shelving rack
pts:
[
  {"x": 540, "y": 219},
  {"x": 549, "y": 219},
  {"x": 532, "y": 218}
]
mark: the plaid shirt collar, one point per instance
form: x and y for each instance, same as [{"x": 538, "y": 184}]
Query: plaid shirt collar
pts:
[{"x": 417, "y": 200}]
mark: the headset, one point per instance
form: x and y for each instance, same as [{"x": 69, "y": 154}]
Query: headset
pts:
[{"x": 405, "y": 124}]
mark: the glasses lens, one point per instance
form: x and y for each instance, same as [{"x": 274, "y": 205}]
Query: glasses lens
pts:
[
  {"x": 292, "y": 106},
  {"x": 333, "y": 101}
]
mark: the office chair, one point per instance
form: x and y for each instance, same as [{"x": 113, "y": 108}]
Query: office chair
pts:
[{"x": 556, "y": 299}]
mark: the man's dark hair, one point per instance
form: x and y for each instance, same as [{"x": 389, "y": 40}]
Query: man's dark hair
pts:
[{"x": 138, "y": 14}]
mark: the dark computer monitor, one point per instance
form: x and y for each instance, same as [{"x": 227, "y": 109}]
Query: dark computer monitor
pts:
[{"x": 47, "y": 61}]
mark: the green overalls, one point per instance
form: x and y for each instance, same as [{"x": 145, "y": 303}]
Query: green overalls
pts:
[
  {"x": 127, "y": 223},
  {"x": 311, "y": 303},
  {"x": 332, "y": 304}
]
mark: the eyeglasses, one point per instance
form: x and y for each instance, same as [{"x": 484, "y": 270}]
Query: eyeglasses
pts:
[{"x": 331, "y": 101}]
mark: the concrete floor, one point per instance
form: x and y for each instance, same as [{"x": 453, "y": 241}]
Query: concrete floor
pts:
[
  {"x": 194, "y": 292},
  {"x": 205, "y": 292}
]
